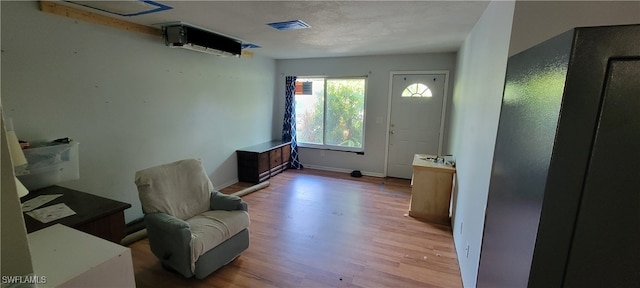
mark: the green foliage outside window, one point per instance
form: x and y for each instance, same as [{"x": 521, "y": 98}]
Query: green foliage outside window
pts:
[
  {"x": 343, "y": 121},
  {"x": 345, "y": 112}
]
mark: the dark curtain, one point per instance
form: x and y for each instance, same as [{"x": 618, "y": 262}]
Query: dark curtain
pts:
[{"x": 289, "y": 123}]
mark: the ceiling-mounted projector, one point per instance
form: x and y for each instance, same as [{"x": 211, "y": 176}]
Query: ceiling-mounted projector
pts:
[{"x": 192, "y": 38}]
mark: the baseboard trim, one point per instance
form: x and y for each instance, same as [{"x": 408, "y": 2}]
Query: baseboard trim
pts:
[
  {"x": 342, "y": 170},
  {"x": 310, "y": 166},
  {"x": 226, "y": 184}
]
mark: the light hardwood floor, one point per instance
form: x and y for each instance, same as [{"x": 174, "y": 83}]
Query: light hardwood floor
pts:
[{"x": 313, "y": 228}]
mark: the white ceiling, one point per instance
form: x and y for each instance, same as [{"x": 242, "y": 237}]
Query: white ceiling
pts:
[{"x": 338, "y": 28}]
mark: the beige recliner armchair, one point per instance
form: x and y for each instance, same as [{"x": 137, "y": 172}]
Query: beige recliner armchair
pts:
[{"x": 192, "y": 229}]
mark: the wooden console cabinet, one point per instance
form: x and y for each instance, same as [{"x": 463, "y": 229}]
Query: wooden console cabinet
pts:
[
  {"x": 260, "y": 162},
  {"x": 431, "y": 190}
]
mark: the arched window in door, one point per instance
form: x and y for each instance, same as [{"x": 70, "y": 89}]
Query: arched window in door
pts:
[{"x": 417, "y": 90}]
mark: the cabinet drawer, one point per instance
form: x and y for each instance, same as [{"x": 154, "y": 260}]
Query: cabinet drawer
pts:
[{"x": 276, "y": 157}]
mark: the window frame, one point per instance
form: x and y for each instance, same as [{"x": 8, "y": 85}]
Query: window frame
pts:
[{"x": 359, "y": 150}]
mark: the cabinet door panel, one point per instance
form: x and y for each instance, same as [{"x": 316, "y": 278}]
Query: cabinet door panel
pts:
[
  {"x": 286, "y": 153},
  {"x": 611, "y": 198},
  {"x": 263, "y": 162}
]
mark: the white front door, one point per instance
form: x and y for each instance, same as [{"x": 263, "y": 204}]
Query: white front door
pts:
[{"x": 417, "y": 102}]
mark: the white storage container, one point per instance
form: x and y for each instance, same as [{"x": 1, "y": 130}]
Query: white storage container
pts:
[{"x": 50, "y": 165}]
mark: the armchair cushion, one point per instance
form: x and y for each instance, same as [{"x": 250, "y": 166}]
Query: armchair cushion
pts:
[
  {"x": 181, "y": 188},
  {"x": 211, "y": 228}
]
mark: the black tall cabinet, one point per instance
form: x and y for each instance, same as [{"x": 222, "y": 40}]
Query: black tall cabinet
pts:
[{"x": 564, "y": 199}]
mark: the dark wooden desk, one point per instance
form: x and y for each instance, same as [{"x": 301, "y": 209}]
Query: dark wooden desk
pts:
[{"x": 95, "y": 215}]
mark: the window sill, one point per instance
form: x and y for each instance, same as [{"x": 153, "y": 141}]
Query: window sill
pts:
[{"x": 330, "y": 148}]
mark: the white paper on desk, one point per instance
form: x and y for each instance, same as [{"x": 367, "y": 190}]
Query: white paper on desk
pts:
[
  {"x": 38, "y": 201},
  {"x": 51, "y": 213}
]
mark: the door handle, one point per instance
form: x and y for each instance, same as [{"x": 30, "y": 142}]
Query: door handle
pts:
[{"x": 392, "y": 132}]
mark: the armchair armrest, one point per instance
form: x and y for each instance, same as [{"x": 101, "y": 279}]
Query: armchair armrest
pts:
[
  {"x": 170, "y": 240},
  {"x": 165, "y": 222},
  {"x": 220, "y": 201}
]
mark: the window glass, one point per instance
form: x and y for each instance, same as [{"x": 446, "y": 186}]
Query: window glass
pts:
[
  {"x": 310, "y": 111},
  {"x": 345, "y": 112},
  {"x": 332, "y": 115},
  {"x": 417, "y": 90}
]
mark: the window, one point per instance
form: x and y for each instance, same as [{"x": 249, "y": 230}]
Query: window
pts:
[
  {"x": 417, "y": 90},
  {"x": 330, "y": 113}
]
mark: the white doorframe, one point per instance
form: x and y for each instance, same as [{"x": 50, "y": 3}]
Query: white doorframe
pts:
[{"x": 442, "y": 119}]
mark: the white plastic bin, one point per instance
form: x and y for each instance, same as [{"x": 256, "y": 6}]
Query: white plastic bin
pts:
[{"x": 50, "y": 165}]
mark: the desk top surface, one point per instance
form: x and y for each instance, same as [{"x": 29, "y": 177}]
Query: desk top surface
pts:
[
  {"x": 420, "y": 161},
  {"x": 88, "y": 207},
  {"x": 58, "y": 244}
]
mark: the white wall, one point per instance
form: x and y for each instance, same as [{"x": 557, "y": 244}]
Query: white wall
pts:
[
  {"x": 537, "y": 21},
  {"x": 378, "y": 69},
  {"x": 15, "y": 256},
  {"x": 476, "y": 106},
  {"x": 130, "y": 101},
  {"x": 504, "y": 29},
  {"x": 14, "y": 249}
]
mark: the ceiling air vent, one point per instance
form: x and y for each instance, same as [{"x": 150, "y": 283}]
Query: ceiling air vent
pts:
[
  {"x": 290, "y": 25},
  {"x": 201, "y": 40}
]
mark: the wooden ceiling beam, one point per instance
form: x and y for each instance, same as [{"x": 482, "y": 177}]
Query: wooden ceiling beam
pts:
[
  {"x": 86, "y": 16},
  {"x": 54, "y": 7}
]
